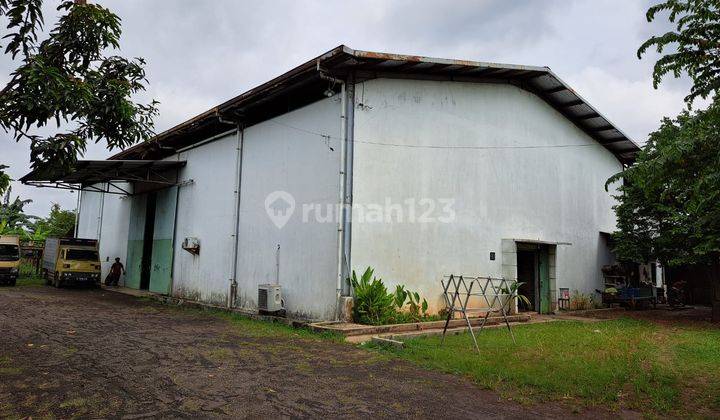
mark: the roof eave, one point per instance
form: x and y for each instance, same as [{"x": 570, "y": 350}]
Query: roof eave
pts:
[{"x": 343, "y": 58}]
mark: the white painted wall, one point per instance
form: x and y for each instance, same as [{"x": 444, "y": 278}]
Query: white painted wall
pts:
[
  {"x": 89, "y": 214},
  {"x": 548, "y": 194},
  {"x": 205, "y": 210},
  {"x": 113, "y": 210},
  {"x": 278, "y": 155},
  {"x": 283, "y": 154}
]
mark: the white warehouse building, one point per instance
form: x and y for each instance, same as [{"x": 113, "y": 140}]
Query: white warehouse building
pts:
[{"x": 418, "y": 167}]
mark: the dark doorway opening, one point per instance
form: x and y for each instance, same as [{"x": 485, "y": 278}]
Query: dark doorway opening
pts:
[
  {"x": 527, "y": 274},
  {"x": 146, "y": 263}
]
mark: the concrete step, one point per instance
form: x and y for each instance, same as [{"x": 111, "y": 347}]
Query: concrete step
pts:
[
  {"x": 350, "y": 329},
  {"x": 402, "y": 336}
]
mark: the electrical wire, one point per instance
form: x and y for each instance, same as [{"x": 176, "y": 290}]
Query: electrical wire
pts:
[{"x": 432, "y": 146}]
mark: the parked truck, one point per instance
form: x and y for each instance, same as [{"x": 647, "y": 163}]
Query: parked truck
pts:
[
  {"x": 9, "y": 259},
  {"x": 71, "y": 261}
]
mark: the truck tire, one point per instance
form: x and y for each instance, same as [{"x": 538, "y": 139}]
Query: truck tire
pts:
[
  {"x": 56, "y": 280},
  {"x": 13, "y": 282},
  {"x": 46, "y": 276}
]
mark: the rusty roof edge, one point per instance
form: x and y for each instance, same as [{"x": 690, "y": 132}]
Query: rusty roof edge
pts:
[
  {"x": 158, "y": 137},
  {"x": 600, "y": 114},
  {"x": 216, "y": 110},
  {"x": 311, "y": 65},
  {"x": 434, "y": 60},
  {"x": 437, "y": 60}
]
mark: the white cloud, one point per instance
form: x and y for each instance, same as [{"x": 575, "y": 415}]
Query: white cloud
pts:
[{"x": 636, "y": 109}]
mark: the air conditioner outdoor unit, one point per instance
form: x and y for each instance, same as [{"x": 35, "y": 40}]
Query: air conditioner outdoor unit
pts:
[
  {"x": 191, "y": 245},
  {"x": 270, "y": 298}
]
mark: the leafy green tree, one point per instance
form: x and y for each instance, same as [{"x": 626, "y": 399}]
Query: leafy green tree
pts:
[
  {"x": 4, "y": 179},
  {"x": 67, "y": 80},
  {"x": 13, "y": 219},
  {"x": 670, "y": 198},
  {"x": 669, "y": 201},
  {"x": 58, "y": 224},
  {"x": 695, "y": 44}
]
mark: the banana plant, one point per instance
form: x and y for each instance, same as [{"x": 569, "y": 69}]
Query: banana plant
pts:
[{"x": 513, "y": 291}]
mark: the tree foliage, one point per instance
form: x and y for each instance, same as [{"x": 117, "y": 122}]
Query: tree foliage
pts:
[
  {"x": 59, "y": 223},
  {"x": 13, "y": 218},
  {"x": 4, "y": 179},
  {"x": 669, "y": 203},
  {"x": 67, "y": 80},
  {"x": 15, "y": 221},
  {"x": 695, "y": 43}
]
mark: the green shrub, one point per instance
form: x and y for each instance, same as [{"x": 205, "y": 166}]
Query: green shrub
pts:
[
  {"x": 373, "y": 304},
  {"x": 417, "y": 309},
  {"x": 523, "y": 300}
]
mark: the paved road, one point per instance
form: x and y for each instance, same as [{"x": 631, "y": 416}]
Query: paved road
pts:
[{"x": 97, "y": 353}]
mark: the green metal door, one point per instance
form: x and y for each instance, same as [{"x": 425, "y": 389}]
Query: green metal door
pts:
[
  {"x": 163, "y": 234},
  {"x": 544, "y": 274},
  {"x": 136, "y": 233}
]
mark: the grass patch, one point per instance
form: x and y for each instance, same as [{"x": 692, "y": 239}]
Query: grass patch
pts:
[
  {"x": 218, "y": 354},
  {"x": 6, "y": 369},
  {"x": 252, "y": 327},
  {"x": 624, "y": 362},
  {"x": 10, "y": 371},
  {"x": 74, "y": 403}
]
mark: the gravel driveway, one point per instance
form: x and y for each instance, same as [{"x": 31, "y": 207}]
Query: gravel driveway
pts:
[{"x": 97, "y": 353}]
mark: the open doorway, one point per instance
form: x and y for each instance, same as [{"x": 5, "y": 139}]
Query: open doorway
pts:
[
  {"x": 527, "y": 274},
  {"x": 533, "y": 269},
  {"x": 149, "y": 231}
]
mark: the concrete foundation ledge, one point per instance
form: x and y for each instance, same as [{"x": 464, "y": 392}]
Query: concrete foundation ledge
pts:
[
  {"x": 388, "y": 342},
  {"x": 350, "y": 329},
  {"x": 346, "y": 329},
  {"x": 590, "y": 312}
]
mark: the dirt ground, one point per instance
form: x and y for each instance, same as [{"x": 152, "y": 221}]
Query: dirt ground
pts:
[{"x": 94, "y": 353}]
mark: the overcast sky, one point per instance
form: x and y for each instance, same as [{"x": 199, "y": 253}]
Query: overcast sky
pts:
[{"x": 201, "y": 53}]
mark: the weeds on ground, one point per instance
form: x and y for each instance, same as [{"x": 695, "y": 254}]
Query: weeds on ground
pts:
[
  {"x": 28, "y": 277},
  {"x": 619, "y": 363},
  {"x": 6, "y": 367},
  {"x": 252, "y": 327},
  {"x": 581, "y": 301}
]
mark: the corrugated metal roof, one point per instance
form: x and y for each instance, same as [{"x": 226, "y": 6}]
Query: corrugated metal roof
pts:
[{"x": 303, "y": 84}]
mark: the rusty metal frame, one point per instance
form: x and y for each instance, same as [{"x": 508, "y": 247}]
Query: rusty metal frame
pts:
[
  {"x": 78, "y": 187},
  {"x": 111, "y": 174}
]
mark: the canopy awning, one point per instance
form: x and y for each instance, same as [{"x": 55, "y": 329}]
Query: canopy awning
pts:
[{"x": 88, "y": 173}]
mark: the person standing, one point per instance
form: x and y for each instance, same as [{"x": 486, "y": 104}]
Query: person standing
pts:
[{"x": 114, "y": 276}]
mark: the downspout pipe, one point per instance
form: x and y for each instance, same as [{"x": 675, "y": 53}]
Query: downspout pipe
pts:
[
  {"x": 347, "y": 108},
  {"x": 239, "y": 134},
  {"x": 106, "y": 187},
  {"x": 348, "y": 197},
  {"x": 77, "y": 211}
]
